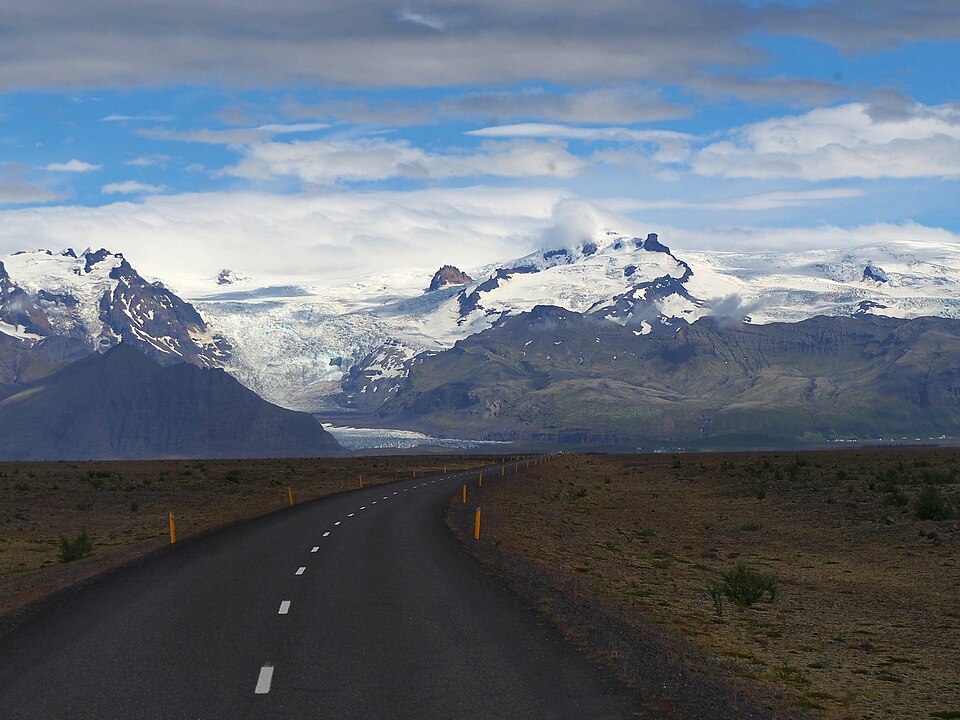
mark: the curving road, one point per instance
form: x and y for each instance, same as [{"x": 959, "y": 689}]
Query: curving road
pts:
[{"x": 358, "y": 605}]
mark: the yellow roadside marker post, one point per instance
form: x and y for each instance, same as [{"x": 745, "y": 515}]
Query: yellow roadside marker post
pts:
[
  {"x": 476, "y": 525},
  {"x": 290, "y": 495},
  {"x": 361, "y": 481},
  {"x": 464, "y": 493},
  {"x": 480, "y": 482},
  {"x": 173, "y": 528}
]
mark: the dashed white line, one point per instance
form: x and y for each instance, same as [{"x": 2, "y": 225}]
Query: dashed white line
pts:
[
  {"x": 315, "y": 548},
  {"x": 350, "y": 514},
  {"x": 284, "y": 608},
  {"x": 374, "y": 502},
  {"x": 327, "y": 534},
  {"x": 363, "y": 507},
  {"x": 263, "y": 682},
  {"x": 397, "y": 492},
  {"x": 384, "y": 497},
  {"x": 337, "y": 522},
  {"x": 300, "y": 570}
]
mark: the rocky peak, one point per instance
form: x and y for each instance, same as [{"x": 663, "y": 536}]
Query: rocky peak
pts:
[
  {"x": 448, "y": 275},
  {"x": 877, "y": 274},
  {"x": 92, "y": 258},
  {"x": 229, "y": 277},
  {"x": 653, "y": 244},
  {"x": 3, "y": 272}
]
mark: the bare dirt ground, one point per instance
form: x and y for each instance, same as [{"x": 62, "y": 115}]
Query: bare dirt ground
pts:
[
  {"x": 866, "y": 622},
  {"x": 123, "y": 507}
]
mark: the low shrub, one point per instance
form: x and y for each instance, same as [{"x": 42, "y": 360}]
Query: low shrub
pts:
[
  {"x": 79, "y": 547},
  {"x": 930, "y": 504},
  {"x": 747, "y": 586}
]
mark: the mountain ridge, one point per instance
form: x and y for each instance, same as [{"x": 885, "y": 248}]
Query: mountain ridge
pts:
[{"x": 125, "y": 405}]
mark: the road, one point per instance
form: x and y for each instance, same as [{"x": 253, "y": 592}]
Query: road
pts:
[{"x": 358, "y": 605}]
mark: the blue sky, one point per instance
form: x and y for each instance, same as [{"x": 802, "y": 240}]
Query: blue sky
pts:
[{"x": 704, "y": 115}]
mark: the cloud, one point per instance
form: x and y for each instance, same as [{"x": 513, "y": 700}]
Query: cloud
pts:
[
  {"x": 232, "y": 136},
  {"x": 73, "y": 166},
  {"x": 429, "y": 21},
  {"x": 744, "y": 203},
  {"x": 621, "y": 104},
  {"x": 847, "y": 141},
  {"x": 779, "y": 89},
  {"x": 109, "y": 43},
  {"x": 371, "y": 159},
  {"x": 865, "y": 25},
  {"x": 566, "y": 132},
  {"x": 131, "y": 187},
  {"x": 147, "y": 160},
  {"x": 313, "y": 238},
  {"x": 138, "y": 118},
  {"x": 660, "y": 146},
  {"x": 16, "y": 190},
  {"x": 824, "y": 236}
]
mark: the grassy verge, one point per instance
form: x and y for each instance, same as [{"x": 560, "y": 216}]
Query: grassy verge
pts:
[
  {"x": 823, "y": 582},
  {"x": 99, "y": 515}
]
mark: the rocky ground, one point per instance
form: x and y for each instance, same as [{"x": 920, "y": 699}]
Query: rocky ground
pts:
[{"x": 627, "y": 554}]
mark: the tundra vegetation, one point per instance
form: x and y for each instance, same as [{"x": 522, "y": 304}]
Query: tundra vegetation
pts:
[{"x": 826, "y": 581}]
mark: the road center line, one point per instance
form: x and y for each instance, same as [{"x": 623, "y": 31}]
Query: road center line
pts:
[
  {"x": 315, "y": 548},
  {"x": 327, "y": 533},
  {"x": 363, "y": 507},
  {"x": 350, "y": 515},
  {"x": 337, "y": 522},
  {"x": 300, "y": 570},
  {"x": 263, "y": 682},
  {"x": 284, "y": 607}
]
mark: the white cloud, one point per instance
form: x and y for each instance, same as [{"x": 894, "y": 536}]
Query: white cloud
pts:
[
  {"x": 232, "y": 136},
  {"x": 131, "y": 187},
  {"x": 137, "y": 118},
  {"x": 847, "y": 141},
  {"x": 567, "y": 132},
  {"x": 788, "y": 239},
  {"x": 311, "y": 238},
  {"x": 326, "y": 162},
  {"x": 430, "y": 21},
  {"x": 743, "y": 203},
  {"x": 73, "y": 166},
  {"x": 147, "y": 160}
]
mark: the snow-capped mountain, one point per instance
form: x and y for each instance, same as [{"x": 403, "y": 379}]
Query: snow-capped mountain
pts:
[
  {"x": 97, "y": 297},
  {"x": 352, "y": 343}
]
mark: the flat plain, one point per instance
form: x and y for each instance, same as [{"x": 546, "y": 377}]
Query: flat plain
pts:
[{"x": 866, "y": 617}]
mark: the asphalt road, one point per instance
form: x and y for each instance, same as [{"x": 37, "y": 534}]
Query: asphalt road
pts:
[{"x": 359, "y": 605}]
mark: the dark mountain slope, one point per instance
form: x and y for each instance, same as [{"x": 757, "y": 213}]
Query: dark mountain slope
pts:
[
  {"x": 555, "y": 373},
  {"x": 23, "y": 363},
  {"x": 122, "y": 404}
]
